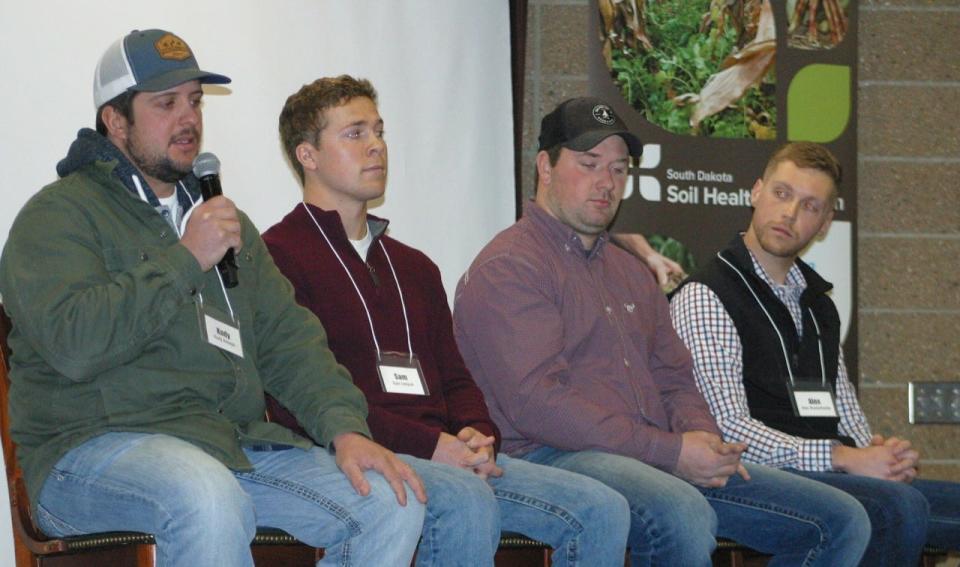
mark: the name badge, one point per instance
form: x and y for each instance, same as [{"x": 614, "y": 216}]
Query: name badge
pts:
[
  {"x": 220, "y": 330},
  {"x": 812, "y": 400},
  {"x": 401, "y": 374}
]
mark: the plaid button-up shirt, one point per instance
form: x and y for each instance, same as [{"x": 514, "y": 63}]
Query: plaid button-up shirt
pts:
[{"x": 708, "y": 331}]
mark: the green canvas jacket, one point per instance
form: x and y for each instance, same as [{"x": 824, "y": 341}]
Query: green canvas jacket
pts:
[{"x": 106, "y": 333}]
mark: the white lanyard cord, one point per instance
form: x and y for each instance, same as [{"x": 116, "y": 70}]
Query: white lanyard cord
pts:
[
  {"x": 823, "y": 367},
  {"x": 183, "y": 223},
  {"x": 356, "y": 288},
  {"x": 143, "y": 195},
  {"x": 783, "y": 345},
  {"x": 403, "y": 306}
]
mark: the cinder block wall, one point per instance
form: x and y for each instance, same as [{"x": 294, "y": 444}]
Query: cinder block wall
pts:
[{"x": 909, "y": 249}]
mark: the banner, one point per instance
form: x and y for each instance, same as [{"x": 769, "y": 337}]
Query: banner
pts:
[{"x": 712, "y": 88}]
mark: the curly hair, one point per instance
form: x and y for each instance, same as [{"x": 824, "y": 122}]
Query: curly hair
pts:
[{"x": 302, "y": 118}]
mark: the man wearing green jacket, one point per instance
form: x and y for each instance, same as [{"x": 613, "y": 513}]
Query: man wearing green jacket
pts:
[{"x": 137, "y": 377}]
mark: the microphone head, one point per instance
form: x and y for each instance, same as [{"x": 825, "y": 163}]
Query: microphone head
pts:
[{"x": 206, "y": 164}]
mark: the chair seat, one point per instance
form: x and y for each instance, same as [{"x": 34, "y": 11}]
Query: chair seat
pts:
[
  {"x": 74, "y": 544},
  {"x": 513, "y": 540},
  {"x": 103, "y": 540},
  {"x": 265, "y": 536}
]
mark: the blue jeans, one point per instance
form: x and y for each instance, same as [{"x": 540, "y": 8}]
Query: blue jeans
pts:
[
  {"x": 584, "y": 521},
  {"x": 903, "y": 516},
  {"x": 203, "y": 514},
  {"x": 675, "y": 523}
]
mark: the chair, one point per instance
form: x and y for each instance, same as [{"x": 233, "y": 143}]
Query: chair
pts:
[{"x": 517, "y": 550}]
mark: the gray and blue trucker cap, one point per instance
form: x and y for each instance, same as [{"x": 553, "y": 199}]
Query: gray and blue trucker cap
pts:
[{"x": 150, "y": 60}]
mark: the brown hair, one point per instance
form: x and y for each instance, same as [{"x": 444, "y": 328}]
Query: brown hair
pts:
[
  {"x": 808, "y": 155},
  {"x": 122, "y": 103},
  {"x": 302, "y": 118}
]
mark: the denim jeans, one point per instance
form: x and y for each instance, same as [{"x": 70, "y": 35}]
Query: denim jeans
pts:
[
  {"x": 584, "y": 521},
  {"x": 675, "y": 523},
  {"x": 203, "y": 514},
  {"x": 903, "y": 516}
]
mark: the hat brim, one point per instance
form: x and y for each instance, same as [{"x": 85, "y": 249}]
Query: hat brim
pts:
[
  {"x": 588, "y": 140},
  {"x": 178, "y": 77}
]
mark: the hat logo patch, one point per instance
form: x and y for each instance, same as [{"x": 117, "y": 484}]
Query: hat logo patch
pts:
[
  {"x": 172, "y": 47},
  {"x": 603, "y": 114}
]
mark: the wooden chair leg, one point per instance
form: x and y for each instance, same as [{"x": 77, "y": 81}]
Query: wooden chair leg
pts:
[{"x": 146, "y": 555}]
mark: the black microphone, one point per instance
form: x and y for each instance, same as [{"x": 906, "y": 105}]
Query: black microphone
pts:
[{"x": 206, "y": 167}]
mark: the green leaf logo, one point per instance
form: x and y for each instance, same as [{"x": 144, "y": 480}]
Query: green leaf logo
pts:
[{"x": 818, "y": 103}]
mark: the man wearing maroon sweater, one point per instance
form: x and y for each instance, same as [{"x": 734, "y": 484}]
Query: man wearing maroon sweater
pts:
[{"x": 385, "y": 311}]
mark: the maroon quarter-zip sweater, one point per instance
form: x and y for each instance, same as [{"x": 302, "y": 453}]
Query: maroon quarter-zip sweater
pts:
[{"x": 401, "y": 422}]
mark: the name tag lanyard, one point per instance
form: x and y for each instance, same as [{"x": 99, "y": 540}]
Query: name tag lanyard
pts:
[
  {"x": 228, "y": 337},
  {"x": 399, "y": 373},
  {"x": 356, "y": 288},
  {"x": 808, "y": 399}
]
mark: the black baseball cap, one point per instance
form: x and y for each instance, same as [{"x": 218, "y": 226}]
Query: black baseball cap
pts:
[{"x": 581, "y": 123}]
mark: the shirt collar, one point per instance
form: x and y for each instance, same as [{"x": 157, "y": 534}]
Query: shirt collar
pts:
[
  {"x": 330, "y": 221},
  {"x": 794, "y": 284},
  {"x": 561, "y": 233}
]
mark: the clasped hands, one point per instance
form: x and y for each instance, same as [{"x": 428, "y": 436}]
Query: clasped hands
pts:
[
  {"x": 706, "y": 460},
  {"x": 888, "y": 458},
  {"x": 470, "y": 450}
]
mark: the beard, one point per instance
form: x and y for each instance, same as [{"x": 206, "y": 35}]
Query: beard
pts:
[{"x": 159, "y": 166}]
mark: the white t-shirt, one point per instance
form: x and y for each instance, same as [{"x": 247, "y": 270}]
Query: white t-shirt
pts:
[
  {"x": 363, "y": 245},
  {"x": 170, "y": 208}
]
